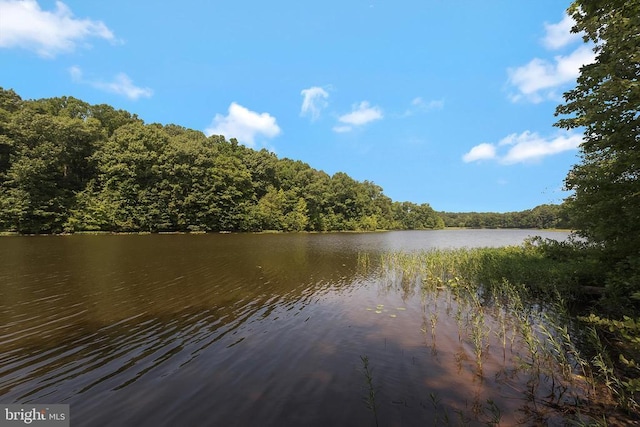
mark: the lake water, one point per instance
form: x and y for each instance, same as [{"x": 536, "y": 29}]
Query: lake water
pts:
[{"x": 238, "y": 329}]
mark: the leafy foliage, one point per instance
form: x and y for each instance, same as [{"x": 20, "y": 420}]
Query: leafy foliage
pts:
[
  {"x": 605, "y": 206},
  {"x": 543, "y": 216},
  {"x": 69, "y": 166}
]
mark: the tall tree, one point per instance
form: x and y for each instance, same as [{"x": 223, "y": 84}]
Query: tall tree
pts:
[
  {"x": 47, "y": 164},
  {"x": 605, "y": 205},
  {"x": 606, "y": 103},
  {"x": 126, "y": 195}
]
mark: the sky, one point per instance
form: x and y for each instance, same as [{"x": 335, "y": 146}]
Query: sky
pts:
[{"x": 449, "y": 103}]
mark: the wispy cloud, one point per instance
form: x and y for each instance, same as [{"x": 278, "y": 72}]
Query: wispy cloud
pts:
[
  {"x": 423, "y": 105},
  {"x": 76, "y": 74},
  {"x": 244, "y": 125},
  {"x": 48, "y": 33},
  {"x": 313, "y": 102},
  {"x": 120, "y": 85},
  {"x": 523, "y": 148},
  {"x": 541, "y": 79},
  {"x": 360, "y": 115},
  {"x": 123, "y": 85},
  {"x": 419, "y": 105}
]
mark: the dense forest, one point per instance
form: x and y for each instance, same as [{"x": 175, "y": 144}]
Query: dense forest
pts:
[
  {"x": 543, "y": 216},
  {"x": 67, "y": 166}
]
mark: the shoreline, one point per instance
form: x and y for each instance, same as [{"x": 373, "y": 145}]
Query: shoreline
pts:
[{"x": 143, "y": 233}]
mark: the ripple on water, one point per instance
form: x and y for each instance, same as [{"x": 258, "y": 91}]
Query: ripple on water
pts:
[{"x": 227, "y": 329}]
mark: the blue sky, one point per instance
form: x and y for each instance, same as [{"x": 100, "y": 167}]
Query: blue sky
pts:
[{"x": 446, "y": 103}]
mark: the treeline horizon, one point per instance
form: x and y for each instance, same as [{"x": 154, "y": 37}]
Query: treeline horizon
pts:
[
  {"x": 543, "y": 216},
  {"x": 67, "y": 166}
]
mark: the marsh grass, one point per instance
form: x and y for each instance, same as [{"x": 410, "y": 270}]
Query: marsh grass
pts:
[
  {"x": 522, "y": 297},
  {"x": 487, "y": 412},
  {"x": 370, "y": 398}
]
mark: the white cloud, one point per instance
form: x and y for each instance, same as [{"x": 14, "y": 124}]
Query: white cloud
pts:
[
  {"x": 121, "y": 84},
  {"x": 529, "y": 146},
  {"x": 361, "y": 114},
  {"x": 539, "y": 79},
  {"x": 525, "y": 147},
  {"x": 559, "y": 35},
  {"x": 483, "y": 151},
  {"x": 244, "y": 125},
  {"x": 314, "y": 100},
  {"x": 542, "y": 79},
  {"x": 48, "y": 33}
]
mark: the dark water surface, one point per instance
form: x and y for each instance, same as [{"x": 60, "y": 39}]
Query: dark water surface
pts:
[{"x": 235, "y": 329}]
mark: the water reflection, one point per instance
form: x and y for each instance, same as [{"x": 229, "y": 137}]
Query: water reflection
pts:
[
  {"x": 221, "y": 329},
  {"x": 495, "y": 357}
]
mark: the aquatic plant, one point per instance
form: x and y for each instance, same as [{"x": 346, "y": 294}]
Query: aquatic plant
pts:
[
  {"x": 370, "y": 398},
  {"x": 622, "y": 379},
  {"x": 528, "y": 293}
]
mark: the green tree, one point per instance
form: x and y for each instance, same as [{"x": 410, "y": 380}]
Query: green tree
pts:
[
  {"x": 47, "y": 164},
  {"x": 268, "y": 214},
  {"x": 232, "y": 191},
  {"x": 317, "y": 196},
  {"x": 605, "y": 205},
  {"x": 184, "y": 180},
  {"x": 9, "y": 103},
  {"x": 263, "y": 166},
  {"x": 66, "y": 165},
  {"x": 126, "y": 197},
  {"x": 298, "y": 218}
]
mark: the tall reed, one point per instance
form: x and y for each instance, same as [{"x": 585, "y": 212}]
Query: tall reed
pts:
[{"x": 523, "y": 292}]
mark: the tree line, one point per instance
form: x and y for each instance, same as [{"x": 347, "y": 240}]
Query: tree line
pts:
[
  {"x": 68, "y": 166},
  {"x": 543, "y": 216}
]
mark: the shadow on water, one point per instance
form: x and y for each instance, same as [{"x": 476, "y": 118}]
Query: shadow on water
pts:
[{"x": 241, "y": 330}]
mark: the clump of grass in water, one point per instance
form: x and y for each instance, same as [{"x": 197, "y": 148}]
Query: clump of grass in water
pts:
[
  {"x": 493, "y": 419},
  {"x": 363, "y": 263},
  {"x": 435, "y": 401},
  {"x": 370, "y": 399},
  {"x": 495, "y": 413},
  {"x": 520, "y": 284},
  {"x": 433, "y": 319},
  {"x": 622, "y": 381}
]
